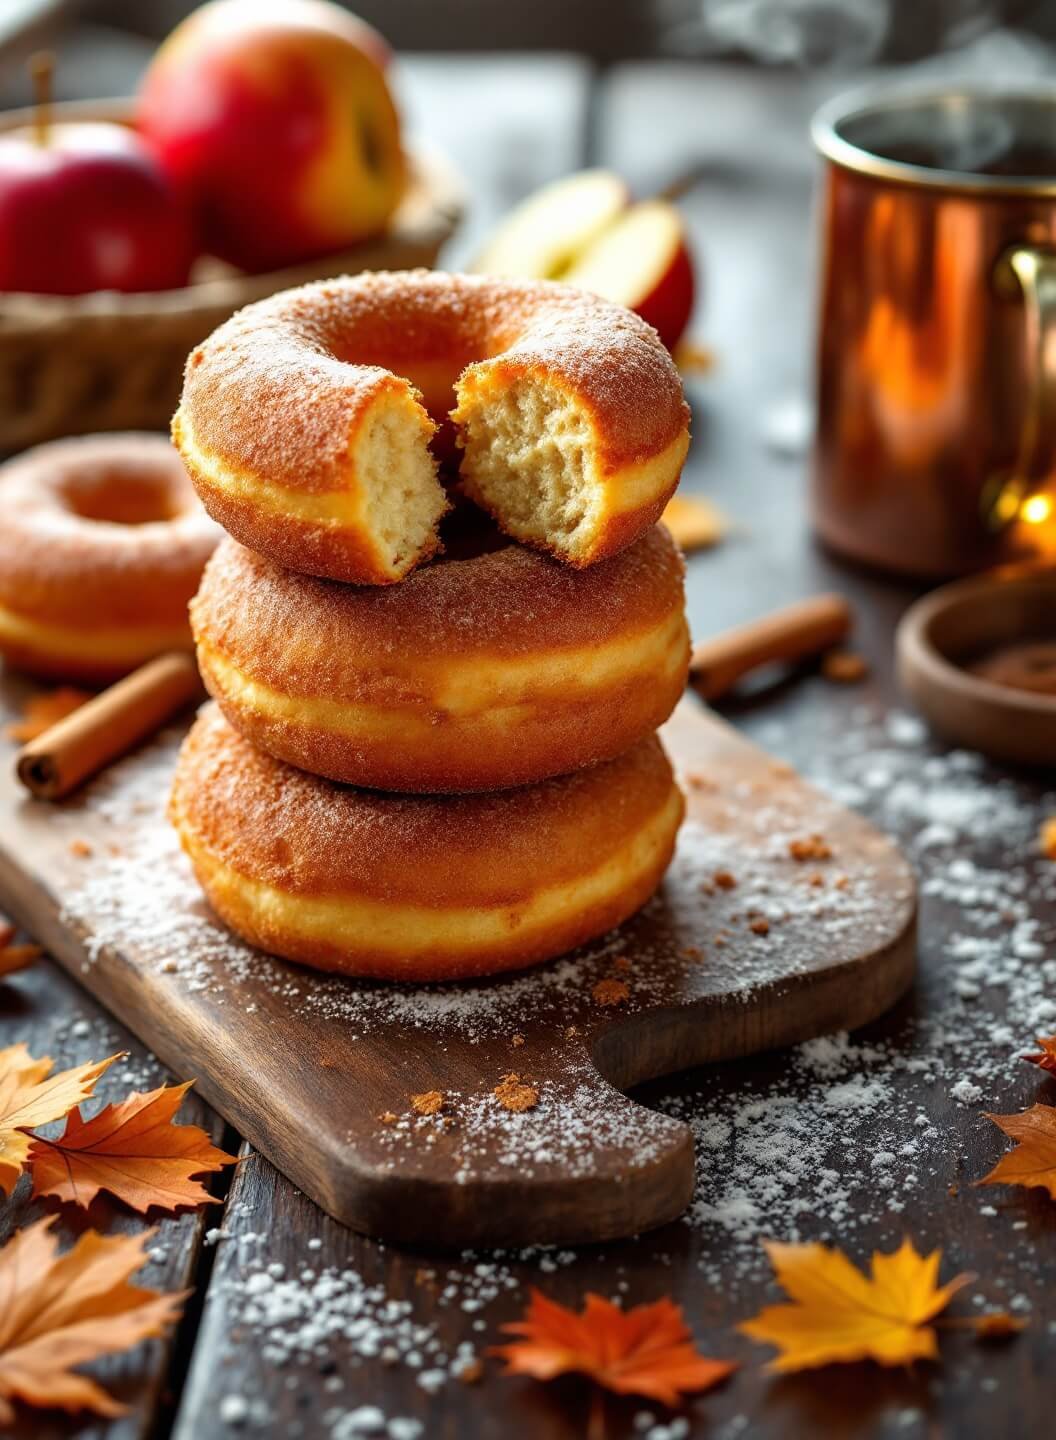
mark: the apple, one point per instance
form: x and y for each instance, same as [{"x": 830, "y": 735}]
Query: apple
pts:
[
  {"x": 274, "y": 118},
  {"x": 543, "y": 235},
  {"x": 642, "y": 261},
  {"x": 86, "y": 207},
  {"x": 584, "y": 230}
]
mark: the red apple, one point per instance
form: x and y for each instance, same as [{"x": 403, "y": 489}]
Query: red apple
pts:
[
  {"x": 274, "y": 117},
  {"x": 642, "y": 261},
  {"x": 85, "y": 207},
  {"x": 543, "y": 235}
]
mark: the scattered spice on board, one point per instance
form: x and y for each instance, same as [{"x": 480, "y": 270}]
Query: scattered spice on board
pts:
[
  {"x": 611, "y": 992},
  {"x": 516, "y": 1094},
  {"x": 429, "y": 1102}
]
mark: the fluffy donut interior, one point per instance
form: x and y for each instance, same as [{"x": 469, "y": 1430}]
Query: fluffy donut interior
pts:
[
  {"x": 403, "y": 497},
  {"x": 528, "y": 460}
]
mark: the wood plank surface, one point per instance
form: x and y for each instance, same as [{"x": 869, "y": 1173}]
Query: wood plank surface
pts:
[{"x": 44, "y": 1008}]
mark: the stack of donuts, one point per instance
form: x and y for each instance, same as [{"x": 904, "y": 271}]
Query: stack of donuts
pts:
[{"x": 433, "y": 752}]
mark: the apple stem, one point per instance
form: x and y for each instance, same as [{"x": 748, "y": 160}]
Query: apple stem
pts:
[{"x": 42, "y": 71}]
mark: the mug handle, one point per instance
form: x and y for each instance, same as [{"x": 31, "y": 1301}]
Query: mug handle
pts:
[{"x": 1029, "y": 271}]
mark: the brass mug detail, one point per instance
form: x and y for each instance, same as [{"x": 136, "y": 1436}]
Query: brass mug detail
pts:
[{"x": 936, "y": 440}]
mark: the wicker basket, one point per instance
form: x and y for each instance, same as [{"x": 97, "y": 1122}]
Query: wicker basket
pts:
[{"x": 109, "y": 361}]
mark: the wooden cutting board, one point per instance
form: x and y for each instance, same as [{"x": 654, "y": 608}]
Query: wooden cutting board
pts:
[{"x": 746, "y": 948}]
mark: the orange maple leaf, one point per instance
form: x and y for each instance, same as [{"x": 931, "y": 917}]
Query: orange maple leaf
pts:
[
  {"x": 133, "y": 1150},
  {"x": 18, "y": 957},
  {"x": 839, "y": 1314},
  {"x": 29, "y": 1098},
  {"x": 1046, "y": 1057},
  {"x": 58, "y": 1311},
  {"x": 41, "y": 712},
  {"x": 1033, "y": 1161},
  {"x": 644, "y": 1351}
]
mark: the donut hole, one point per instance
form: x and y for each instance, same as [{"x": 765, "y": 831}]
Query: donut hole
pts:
[
  {"x": 120, "y": 497},
  {"x": 527, "y": 460},
  {"x": 404, "y": 499}
]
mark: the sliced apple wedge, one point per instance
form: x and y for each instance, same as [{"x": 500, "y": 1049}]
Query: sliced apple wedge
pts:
[
  {"x": 547, "y": 232},
  {"x": 642, "y": 261}
]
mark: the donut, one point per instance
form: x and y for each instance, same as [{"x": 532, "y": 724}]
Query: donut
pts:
[
  {"x": 436, "y": 887},
  {"x": 306, "y": 420},
  {"x": 490, "y": 667},
  {"x": 102, "y": 545}
]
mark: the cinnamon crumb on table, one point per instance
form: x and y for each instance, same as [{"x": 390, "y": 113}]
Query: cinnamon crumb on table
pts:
[
  {"x": 429, "y": 1102},
  {"x": 724, "y": 880},
  {"x": 611, "y": 992},
  {"x": 80, "y": 848},
  {"x": 759, "y": 926},
  {"x": 517, "y": 1041},
  {"x": 516, "y": 1094},
  {"x": 845, "y": 667},
  {"x": 814, "y": 847},
  {"x": 387, "y": 1118}
]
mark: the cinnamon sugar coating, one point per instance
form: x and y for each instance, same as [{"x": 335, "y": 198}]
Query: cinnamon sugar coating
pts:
[
  {"x": 103, "y": 543},
  {"x": 491, "y": 667},
  {"x": 462, "y": 884},
  {"x": 276, "y": 400}
]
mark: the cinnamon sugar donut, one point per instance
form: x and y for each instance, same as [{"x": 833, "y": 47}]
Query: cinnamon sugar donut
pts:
[
  {"x": 493, "y": 666},
  {"x": 303, "y": 424},
  {"x": 419, "y": 887},
  {"x": 102, "y": 545}
]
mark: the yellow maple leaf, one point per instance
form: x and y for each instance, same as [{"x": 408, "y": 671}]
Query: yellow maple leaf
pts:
[
  {"x": 28, "y": 1097},
  {"x": 695, "y": 523},
  {"x": 1033, "y": 1161},
  {"x": 58, "y": 1311},
  {"x": 839, "y": 1314},
  {"x": 133, "y": 1150}
]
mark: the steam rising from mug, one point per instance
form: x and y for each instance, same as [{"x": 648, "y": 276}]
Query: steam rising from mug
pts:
[{"x": 811, "y": 33}]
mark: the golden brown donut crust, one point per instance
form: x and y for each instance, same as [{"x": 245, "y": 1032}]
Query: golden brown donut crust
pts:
[
  {"x": 474, "y": 673},
  {"x": 435, "y": 867},
  {"x": 79, "y": 592},
  {"x": 276, "y": 395}
]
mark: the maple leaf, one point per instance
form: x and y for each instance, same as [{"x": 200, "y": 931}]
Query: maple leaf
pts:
[
  {"x": 1046, "y": 1058},
  {"x": 133, "y": 1150},
  {"x": 58, "y": 1311},
  {"x": 29, "y": 1098},
  {"x": 839, "y": 1314},
  {"x": 41, "y": 712},
  {"x": 1033, "y": 1161},
  {"x": 18, "y": 957},
  {"x": 695, "y": 524},
  {"x": 644, "y": 1351}
]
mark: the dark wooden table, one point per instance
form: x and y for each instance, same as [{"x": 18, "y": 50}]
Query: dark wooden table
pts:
[{"x": 854, "y": 1142}]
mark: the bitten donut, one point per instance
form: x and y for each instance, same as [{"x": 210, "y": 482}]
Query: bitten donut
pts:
[
  {"x": 425, "y": 887},
  {"x": 304, "y": 427},
  {"x": 102, "y": 545},
  {"x": 488, "y": 668}
]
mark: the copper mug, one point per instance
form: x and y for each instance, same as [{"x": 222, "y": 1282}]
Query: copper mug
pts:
[{"x": 936, "y": 440}]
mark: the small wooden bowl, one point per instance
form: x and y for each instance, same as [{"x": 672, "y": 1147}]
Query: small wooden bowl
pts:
[
  {"x": 956, "y": 626},
  {"x": 111, "y": 361}
]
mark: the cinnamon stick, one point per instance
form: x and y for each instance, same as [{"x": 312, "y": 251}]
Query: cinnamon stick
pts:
[
  {"x": 793, "y": 633},
  {"x": 107, "y": 726}
]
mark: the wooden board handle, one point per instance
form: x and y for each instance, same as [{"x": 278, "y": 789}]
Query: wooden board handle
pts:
[
  {"x": 107, "y": 726},
  {"x": 792, "y": 633}
]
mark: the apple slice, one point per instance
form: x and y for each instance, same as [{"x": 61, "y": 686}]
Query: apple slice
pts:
[
  {"x": 642, "y": 261},
  {"x": 543, "y": 235}
]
